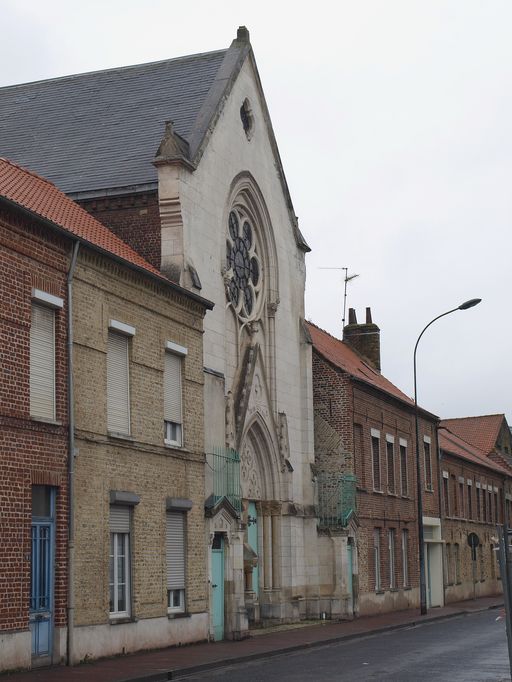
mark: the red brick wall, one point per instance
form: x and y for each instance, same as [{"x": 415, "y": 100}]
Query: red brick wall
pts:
[
  {"x": 31, "y": 452},
  {"x": 460, "y": 519},
  {"x": 135, "y": 218},
  {"x": 352, "y": 410}
]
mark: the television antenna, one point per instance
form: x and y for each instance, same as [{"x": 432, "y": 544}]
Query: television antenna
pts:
[{"x": 348, "y": 278}]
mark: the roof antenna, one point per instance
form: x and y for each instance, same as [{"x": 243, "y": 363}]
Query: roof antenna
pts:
[{"x": 348, "y": 278}]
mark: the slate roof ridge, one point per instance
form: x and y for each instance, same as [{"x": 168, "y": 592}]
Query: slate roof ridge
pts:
[{"x": 112, "y": 69}]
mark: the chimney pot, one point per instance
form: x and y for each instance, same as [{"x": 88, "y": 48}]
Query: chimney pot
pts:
[
  {"x": 368, "y": 315},
  {"x": 352, "y": 319}
]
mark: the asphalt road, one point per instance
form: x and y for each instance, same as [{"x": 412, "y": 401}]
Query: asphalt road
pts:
[{"x": 471, "y": 648}]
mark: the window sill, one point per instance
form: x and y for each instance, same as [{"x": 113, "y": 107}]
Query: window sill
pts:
[
  {"x": 394, "y": 589},
  {"x": 171, "y": 615},
  {"x": 173, "y": 445},
  {"x": 121, "y": 620},
  {"x": 378, "y": 492},
  {"x": 380, "y": 591},
  {"x": 407, "y": 588},
  {"x": 429, "y": 490},
  {"x": 45, "y": 420},
  {"x": 120, "y": 436}
]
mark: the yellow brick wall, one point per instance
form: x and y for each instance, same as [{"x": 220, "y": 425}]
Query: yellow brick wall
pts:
[{"x": 142, "y": 465}]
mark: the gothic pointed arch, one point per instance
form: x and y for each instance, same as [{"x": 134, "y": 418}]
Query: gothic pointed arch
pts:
[
  {"x": 251, "y": 269},
  {"x": 259, "y": 459}
]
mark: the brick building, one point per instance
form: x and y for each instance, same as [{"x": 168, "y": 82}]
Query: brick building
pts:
[
  {"x": 204, "y": 199},
  {"x": 474, "y": 489},
  {"x": 34, "y": 262},
  {"x": 364, "y": 426},
  {"x": 136, "y": 481}
]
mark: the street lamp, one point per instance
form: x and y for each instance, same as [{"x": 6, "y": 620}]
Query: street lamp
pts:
[{"x": 423, "y": 585}]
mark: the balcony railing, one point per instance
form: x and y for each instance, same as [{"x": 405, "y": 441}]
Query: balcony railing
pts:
[
  {"x": 225, "y": 466},
  {"x": 336, "y": 499}
]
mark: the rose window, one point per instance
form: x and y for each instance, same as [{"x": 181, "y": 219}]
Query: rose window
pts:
[{"x": 243, "y": 265}]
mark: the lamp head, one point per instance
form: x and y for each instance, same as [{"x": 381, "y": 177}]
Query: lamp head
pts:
[{"x": 469, "y": 304}]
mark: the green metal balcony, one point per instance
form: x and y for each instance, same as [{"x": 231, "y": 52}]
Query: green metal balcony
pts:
[
  {"x": 336, "y": 499},
  {"x": 225, "y": 466}
]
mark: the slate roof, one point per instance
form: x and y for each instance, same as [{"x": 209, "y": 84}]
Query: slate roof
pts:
[
  {"x": 346, "y": 358},
  {"x": 454, "y": 445},
  {"x": 102, "y": 129},
  {"x": 481, "y": 432},
  {"x": 43, "y": 200}
]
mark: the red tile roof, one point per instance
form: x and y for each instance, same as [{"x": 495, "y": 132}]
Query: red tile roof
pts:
[
  {"x": 481, "y": 432},
  {"x": 346, "y": 358},
  {"x": 453, "y": 444},
  {"x": 41, "y": 197}
]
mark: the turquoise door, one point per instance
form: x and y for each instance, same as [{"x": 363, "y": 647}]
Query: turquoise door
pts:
[
  {"x": 350, "y": 570},
  {"x": 252, "y": 539},
  {"x": 218, "y": 587},
  {"x": 42, "y": 562}
]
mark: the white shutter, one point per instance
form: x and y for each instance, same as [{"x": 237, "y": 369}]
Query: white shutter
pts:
[
  {"x": 119, "y": 519},
  {"x": 175, "y": 550},
  {"x": 172, "y": 388},
  {"x": 118, "y": 391},
  {"x": 42, "y": 362}
]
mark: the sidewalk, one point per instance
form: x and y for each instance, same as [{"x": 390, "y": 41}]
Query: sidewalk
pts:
[{"x": 166, "y": 664}]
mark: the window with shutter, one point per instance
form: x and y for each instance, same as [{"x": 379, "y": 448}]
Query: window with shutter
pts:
[
  {"x": 175, "y": 560},
  {"x": 118, "y": 384},
  {"x": 173, "y": 400},
  {"x": 42, "y": 362}
]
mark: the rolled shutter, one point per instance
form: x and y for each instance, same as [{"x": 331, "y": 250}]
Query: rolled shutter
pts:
[
  {"x": 118, "y": 393},
  {"x": 172, "y": 388},
  {"x": 42, "y": 362},
  {"x": 119, "y": 519},
  {"x": 175, "y": 550}
]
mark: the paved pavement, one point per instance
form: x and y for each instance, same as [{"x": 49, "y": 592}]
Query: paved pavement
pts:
[{"x": 166, "y": 664}]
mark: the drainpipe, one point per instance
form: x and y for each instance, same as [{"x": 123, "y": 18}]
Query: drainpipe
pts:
[{"x": 71, "y": 463}]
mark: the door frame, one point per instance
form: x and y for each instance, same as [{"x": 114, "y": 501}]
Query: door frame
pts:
[{"x": 38, "y": 615}]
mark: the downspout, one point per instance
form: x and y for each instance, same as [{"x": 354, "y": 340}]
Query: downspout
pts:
[{"x": 71, "y": 464}]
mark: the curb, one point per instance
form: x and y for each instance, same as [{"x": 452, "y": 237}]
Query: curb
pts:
[{"x": 177, "y": 673}]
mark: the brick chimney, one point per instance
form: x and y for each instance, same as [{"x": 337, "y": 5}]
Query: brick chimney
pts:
[{"x": 364, "y": 338}]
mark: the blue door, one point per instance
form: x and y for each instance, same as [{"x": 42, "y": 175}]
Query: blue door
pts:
[
  {"x": 252, "y": 539},
  {"x": 218, "y": 587},
  {"x": 42, "y": 573}
]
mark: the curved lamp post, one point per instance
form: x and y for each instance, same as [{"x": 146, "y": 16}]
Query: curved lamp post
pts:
[{"x": 423, "y": 585}]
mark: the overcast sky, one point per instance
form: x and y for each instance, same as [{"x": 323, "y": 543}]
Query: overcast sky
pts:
[{"x": 394, "y": 122}]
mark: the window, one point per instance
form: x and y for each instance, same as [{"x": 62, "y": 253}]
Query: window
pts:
[
  {"x": 446, "y": 493},
  {"x": 173, "y": 396},
  {"x": 405, "y": 557},
  {"x": 470, "y": 498},
  {"x": 427, "y": 463},
  {"x": 484, "y": 504},
  {"x": 478, "y": 503},
  {"x": 454, "y": 495},
  {"x": 390, "y": 452},
  {"x": 391, "y": 547},
  {"x": 376, "y": 558},
  {"x": 175, "y": 560},
  {"x": 404, "y": 484},
  {"x": 376, "y": 459},
  {"x": 119, "y": 574},
  {"x": 461, "y": 499},
  {"x": 42, "y": 362},
  {"x": 118, "y": 380},
  {"x": 456, "y": 562},
  {"x": 449, "y": 566}
]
